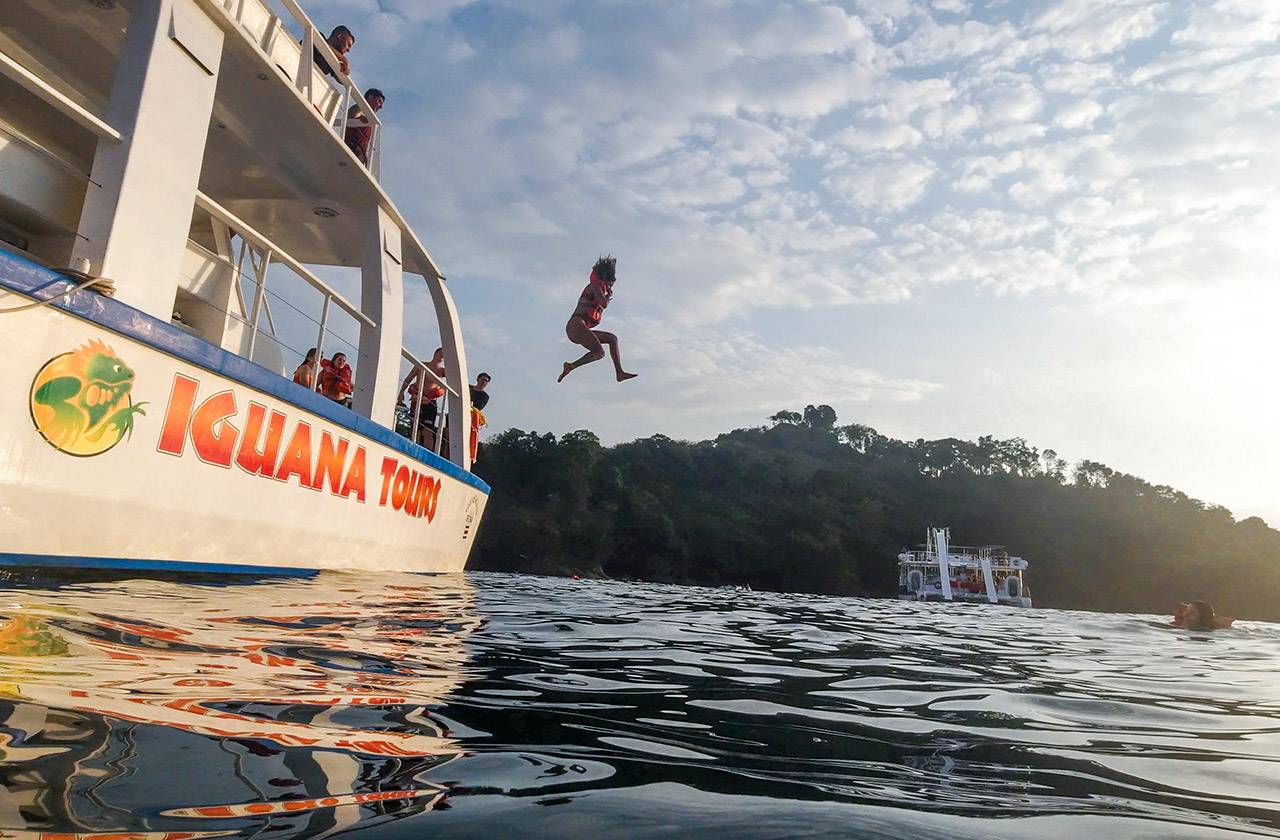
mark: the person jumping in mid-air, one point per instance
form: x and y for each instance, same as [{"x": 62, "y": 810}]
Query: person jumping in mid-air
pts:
[{"x": 581, "y": 328}]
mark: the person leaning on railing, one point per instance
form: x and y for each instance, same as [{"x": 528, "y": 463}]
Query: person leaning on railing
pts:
[
  {"x": 431, "y": 391},
  {"x": 341, "y": 41},
  {"x": 359, "y": 134}
]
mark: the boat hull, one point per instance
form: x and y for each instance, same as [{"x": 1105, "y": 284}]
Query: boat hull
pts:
[{"x": 127, "y": 442}]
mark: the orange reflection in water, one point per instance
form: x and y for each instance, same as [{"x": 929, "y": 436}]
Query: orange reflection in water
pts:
[{"x": 306, "y": 698}]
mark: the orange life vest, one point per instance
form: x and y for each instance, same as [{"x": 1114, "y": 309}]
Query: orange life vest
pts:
[{"x": 591, "y": 303}]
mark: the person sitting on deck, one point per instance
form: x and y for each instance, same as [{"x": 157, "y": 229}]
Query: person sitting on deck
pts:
[
  {"x": 335, "y": 379},
  {"x": 305, "y": 375},
  {"x": 341, "y": 41},
  {"x": 359, "y": 134},
  {"x": 1199, "y": 615},
  {"x": 581, "y": 328},
  {"x": 431, "y": 392}
]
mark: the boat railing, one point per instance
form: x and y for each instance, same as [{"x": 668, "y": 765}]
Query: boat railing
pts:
[
  {"x": 957, "y": 555},
  {"x": 268, "y": 252},
  {"x": 332, "y": 103},
  {"x": 424, "y": 372},
  {"x": 248, "y": 259},
  {"x": 15, "y": 71}
]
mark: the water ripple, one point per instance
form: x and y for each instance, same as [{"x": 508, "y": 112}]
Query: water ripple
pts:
[{"x": 500, "y": 704}]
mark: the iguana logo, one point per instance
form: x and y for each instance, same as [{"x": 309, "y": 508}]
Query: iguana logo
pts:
[{"x": 80, "y": 400}]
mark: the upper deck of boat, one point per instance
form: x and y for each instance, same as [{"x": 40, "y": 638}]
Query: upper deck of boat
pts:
[{"x": 273, "y": 156}]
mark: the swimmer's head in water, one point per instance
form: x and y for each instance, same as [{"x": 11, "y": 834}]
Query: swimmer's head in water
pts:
[
  {"x": 1200, "y": 616},
  {"x": 606, "y": 269}
]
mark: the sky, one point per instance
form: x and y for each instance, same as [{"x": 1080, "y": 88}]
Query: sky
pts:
[{"x": 944, "y": 218}]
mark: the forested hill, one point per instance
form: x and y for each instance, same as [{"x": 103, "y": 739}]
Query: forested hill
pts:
[{"x": 808, "y": 505}]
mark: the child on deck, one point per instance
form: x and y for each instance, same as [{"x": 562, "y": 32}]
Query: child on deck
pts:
[{"x": 581, "y": 328}]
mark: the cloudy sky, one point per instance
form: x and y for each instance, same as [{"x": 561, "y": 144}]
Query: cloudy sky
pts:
[{"x": 1054, "y": 220}]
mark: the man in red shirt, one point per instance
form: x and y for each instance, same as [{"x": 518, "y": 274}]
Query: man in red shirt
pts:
[{"x": 359, "y": 134}]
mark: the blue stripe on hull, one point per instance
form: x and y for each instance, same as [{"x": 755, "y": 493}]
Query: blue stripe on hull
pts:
[
  {"x": 22, "y": 275},
  {"x": 45, "y": 561}
]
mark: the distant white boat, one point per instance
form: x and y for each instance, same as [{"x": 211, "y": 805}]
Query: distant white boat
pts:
[{"x": 945, "y": 572}]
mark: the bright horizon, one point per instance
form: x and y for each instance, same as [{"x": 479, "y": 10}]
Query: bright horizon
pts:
[{"x": 1054, "y": 221}]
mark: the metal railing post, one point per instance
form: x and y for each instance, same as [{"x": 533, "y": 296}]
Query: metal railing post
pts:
[
  {"x": 341, "y": 123},
  {"x": 417, "y": 407},
  {"x": 306, "y": 62},
  {"x": 324, "y": 325},
  {"x": 441, "y": 422},
  {"x": 258, "y": 297}
]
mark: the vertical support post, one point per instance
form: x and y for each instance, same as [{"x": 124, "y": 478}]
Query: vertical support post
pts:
[
  {"x": 985, "y": 559},
  {"x": 259, "y": 295},
  {"x": 341, "y": 123},
  {"x": 442, "y": 426},
  {"x": 455, "y": 363},
  {"x": 324, "y": 325},
  {"x": 306, "y": 62},
  {"x": 137, "y": 211},
  {"x": 944, "y": 565},
  {"x": 382, "y": 300},
  {"x": 421, "y": 371}
]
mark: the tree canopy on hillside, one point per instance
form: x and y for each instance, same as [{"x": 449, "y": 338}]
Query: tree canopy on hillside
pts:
[{"x": 807, "y": 505}]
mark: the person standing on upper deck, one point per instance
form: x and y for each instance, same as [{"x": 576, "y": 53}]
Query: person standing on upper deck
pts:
[
  {"x": 581, "y": 328},
  {"x": 341, "y": 41},
  {"x": 359, "y": 134}
]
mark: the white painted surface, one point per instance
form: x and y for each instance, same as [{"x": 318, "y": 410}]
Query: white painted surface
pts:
[
  {"x": 382, "y": 299},
  {"x": 134, "y": 224},
  {"x": 136, "y": 502},
  {"x": 988, "y": 579},
  {"x": 455, "y": 363},
  {"x": 944, "y": 567}
]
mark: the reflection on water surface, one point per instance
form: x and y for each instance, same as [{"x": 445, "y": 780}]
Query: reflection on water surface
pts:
[{"x": 397, "y": 706}]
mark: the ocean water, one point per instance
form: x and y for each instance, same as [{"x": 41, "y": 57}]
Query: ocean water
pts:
[{"x": 398, "y": 706}]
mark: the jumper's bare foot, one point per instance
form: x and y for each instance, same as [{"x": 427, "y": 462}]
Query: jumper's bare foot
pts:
[
  {"x": 568, "y": 369},
  {"x": 623, "y": 377}
]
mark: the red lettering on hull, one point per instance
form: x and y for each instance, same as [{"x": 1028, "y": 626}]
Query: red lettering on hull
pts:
[
  {"x": 252, "y": 459},
  {"x": 260, "y": 450}
]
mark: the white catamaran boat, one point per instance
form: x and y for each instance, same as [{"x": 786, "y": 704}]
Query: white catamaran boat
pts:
[
  {"x": 191, "y": 153},
  {"x": 945, "y": 572}
]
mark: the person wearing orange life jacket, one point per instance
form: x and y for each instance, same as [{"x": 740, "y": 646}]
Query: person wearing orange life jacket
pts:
[
  {"x": 335, "y": 379},
  {"x": 581, "y": 328}
]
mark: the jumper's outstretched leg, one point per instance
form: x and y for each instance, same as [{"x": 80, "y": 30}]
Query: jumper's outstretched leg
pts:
[
  {"x": 579, "y": 334},
  {"x": 586, "y": 359},
  {"x": 615, "y": 353}
]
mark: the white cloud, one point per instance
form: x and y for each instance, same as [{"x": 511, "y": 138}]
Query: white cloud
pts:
[
  {"x": 1082, "y": 113},
  {"x": 736, "y": 372},
  {"x": 891, "y": 186},
  {"x": 1087, "y": 29}
]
